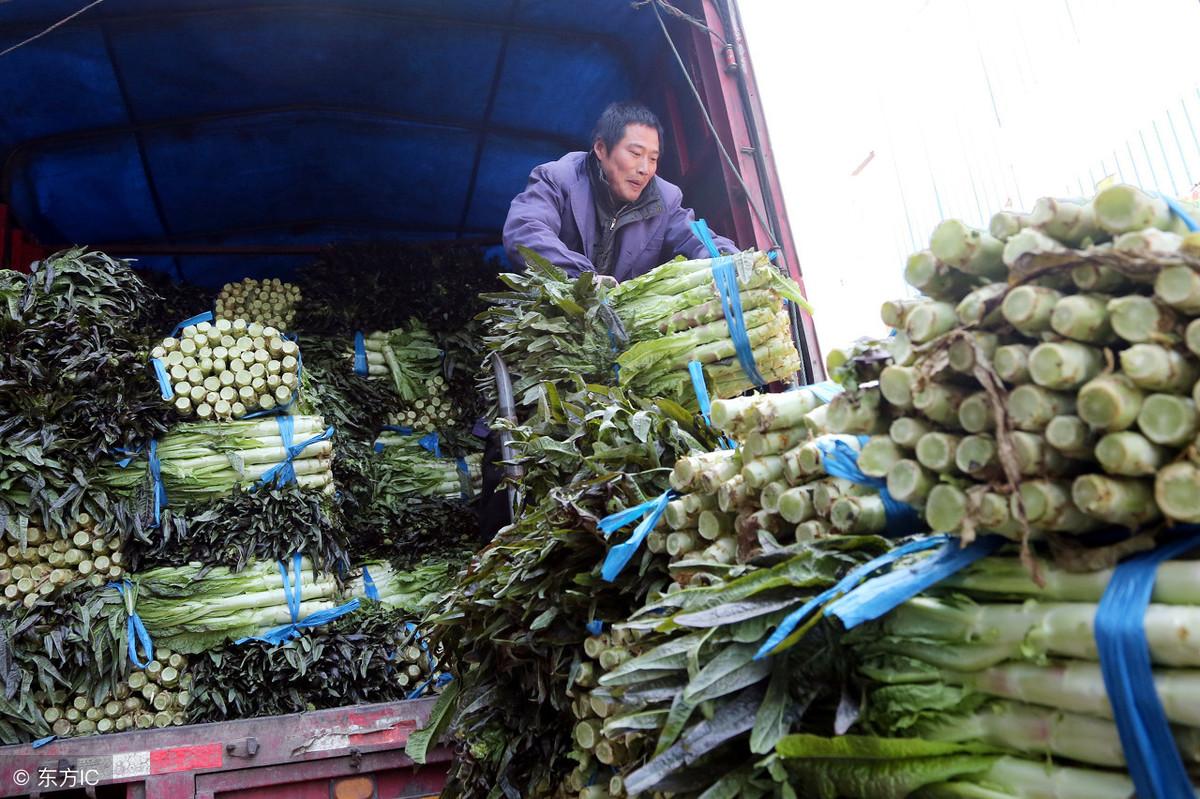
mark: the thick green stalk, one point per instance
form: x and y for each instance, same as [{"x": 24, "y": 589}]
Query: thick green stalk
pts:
[
  {"x": 1028, "y": 308},
  {"x": 907, "y": 431},
  {"x": 827, "y": 491},
  {"x": 774, "y": 442},
  {"x": 1032, "y": 407},
  {"x": 1120, "y": 209},
  {"x": 1130, "y": 454},
  {"x": 1139, "y": 319},
  {"x": 1070, "y": 223},
  {"x": 902, "y": 350},
  {"x": 1048, "y": 505},
  {"x": 777, "y": 411},
  {"x": 695, "y": 503},
  {"x": 878, "y": 456},
  {"x": 813, "y": 530},
  {"x": 1177, "y": 582},
  {"x": 1168, "y": 419},
  {"x": 945, "y": 508},
  {"x": 893, "y": 312},
  {"x": 909, "y": 482},
  {"x": 677, "y": 516},
  {"x": 711, "y": 310},
  {"x": 714, "y": 524},
  {"x": 856, "y": 412},
  {"x": 1110, "y": 402},
  {"x": 685, "y": 476},
  {"x": 730, "y": 415},
  {"x": 1071, "y": 436},
  {"x": 733, "y": 494},
  {"x": 975, "y": 413},
  {"x": 1006, "y": 224},
  {"x": 1179, "y": 287},
  {"x": 1064, "y": 365},
  {"x": 972, "y": 251},
  {"x": 964, "y": 352},
  {"x": 981, "y": 306},
  {"x": 934, "y": 279},
  {"x": 1083, "y": 317},
  {"x": 1029, "y": 241},
  {"x": 976, "y": 456},
  {"x": 896, "y": 385},
  {"x": 796, "y": 504},
  {"x": 929, "y": 320},
  {"x": 860, "y": 515},
  {"x": 768, "y": 497},
  {"x": 714, "y": 474},
  {"x": 1114, "y": 500},
  {"x": 1177, "y": 491},
  {"x": 1192, "y": 336},
  {"x": 760, "y": 471},
  {"x": 1156, "y": 368},
  {"x": 1011, "y": 363},
  {"x": 935, "y": 451},
  {"x": 1096, "y": 278},
  {"x": 939, "y": 402}
]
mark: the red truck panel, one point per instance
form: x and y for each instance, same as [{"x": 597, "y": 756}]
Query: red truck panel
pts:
[{"x": 347, "y": 753}]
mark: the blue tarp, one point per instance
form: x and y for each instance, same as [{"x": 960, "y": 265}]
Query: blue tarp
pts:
[{"x": 230, "y": 122}]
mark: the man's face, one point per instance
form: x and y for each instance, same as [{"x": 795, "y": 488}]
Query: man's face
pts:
[{"x": 631, "y": 164}]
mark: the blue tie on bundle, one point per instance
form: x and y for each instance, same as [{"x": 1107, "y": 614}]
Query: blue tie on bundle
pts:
[
  {"x": 840, "y": 460},
  {"x": 135, "y": 631},
  {"x": 164, "y": 380},
  {"x": 620, "y": 555},
  {"x": 129, "y": 454},
  {"x": 1181, "y": 212},
  {"x": 696, "y": 370},
  {"x": 825, "y": 391},
  {"x": 594, "y": 627},
  {"x": 160, "y": 490},
  {"x": 360, "y": 354},
  {"x": 725, "y": 278},
  {"x": 207, "y": 316},
  {"x": 283, "y": 473},
  {"x": 429, "y": 441},
  {"x": 1151, "y": 753},
  {"x": 369, "y": 586},
  {"x": 885, "y": 593},
  {"x": 293, "y": 593},
  {"x": 856, "y": 576}
]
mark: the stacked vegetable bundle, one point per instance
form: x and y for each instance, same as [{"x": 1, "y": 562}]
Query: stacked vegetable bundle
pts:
[
  {"x": 644, "y": 333},
  {"x": 37, "y": 562},
  {"x": 268, "y": 302},
  {"x": 1041, "y": 389},
  {"x": 227, "y": 369},
  {"x": 413, "y": 470}
]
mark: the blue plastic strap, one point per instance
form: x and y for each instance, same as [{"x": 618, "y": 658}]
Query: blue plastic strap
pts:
[
  {"x": 283, "y": 473},
  {"x": 207, "y": 316},
  {"x": 696, "y": 370},
  {"x": 369, "y": 585},
  {"x": 1150, "y": 750},
  {"x": 431, "y": 443},
  {"x": 839, "y": 459},
  {"x": 360, "y": 354},
  {"x": 620, "y": 555},
  {"x": 856, "y": 576},
  {"x": 40, "y": 742},
  {"x": 1181, "y": 212},
  {"x": 164, "y": 380},
  {"x": 129, "y": 454},
  {"x": 883, "y": 594},
  {"x": 159, "y": 489},
  {"x": 700, "y": 228},
  {"x": 135, "y": 631},
  {"x": 615, "y": 521},
  {"x": 595, "y": 627},
  {"x": 286, "y": 632},
  {"x": 731, "y": 301},
  {"x": 824, "y": 391}
]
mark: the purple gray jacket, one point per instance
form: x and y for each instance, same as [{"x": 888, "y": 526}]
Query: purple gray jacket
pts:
[{"x": 555, "y": 217}]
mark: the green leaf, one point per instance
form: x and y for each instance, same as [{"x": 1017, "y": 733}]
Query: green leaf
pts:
[
  {"x": 439, "y": 719},
  {"x": 544, "y": 618},
  {"x": 770, "y": 724},
  {"x": 677, "y": 719},
  {"x": 731, "y": 670}
]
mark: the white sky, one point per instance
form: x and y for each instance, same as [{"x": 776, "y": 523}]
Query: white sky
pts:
[{"x": 969, "y": 106}]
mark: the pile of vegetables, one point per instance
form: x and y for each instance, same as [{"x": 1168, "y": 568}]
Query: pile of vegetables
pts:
[
  {"x": 226, "y": 369},
  {"x": 38, "y": 562},
  {"x": 268, "y": 302},
  {"x": 408, "y": 469}
]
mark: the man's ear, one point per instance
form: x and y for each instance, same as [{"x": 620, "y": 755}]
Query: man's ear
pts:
[{"x": 599, "y": 149}]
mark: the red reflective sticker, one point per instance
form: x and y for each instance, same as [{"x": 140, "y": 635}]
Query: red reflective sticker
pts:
[{"x": 186, "y": 758}]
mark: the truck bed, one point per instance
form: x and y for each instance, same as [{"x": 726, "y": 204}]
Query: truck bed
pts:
[{"x": 346, "y": 753}]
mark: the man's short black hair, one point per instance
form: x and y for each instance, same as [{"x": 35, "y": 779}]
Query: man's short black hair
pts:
[{"x": 610, "y": 127}]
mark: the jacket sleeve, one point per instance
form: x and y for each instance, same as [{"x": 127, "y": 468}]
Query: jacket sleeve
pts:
[
  {"x": 680, "y": 240},
  {"x": 535, "y": 220}
]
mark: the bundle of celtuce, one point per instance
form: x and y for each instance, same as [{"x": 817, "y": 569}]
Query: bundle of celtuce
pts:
[
  {"x": 39, "y": 562},
  {"x": 192, "y": 608},
  {"x": 268, "y": 302},
  {"x": 1041, "y": 389},
  {"x": 992, "y": 658},
  {"x": 675, "y": 314},
  {"x": 426, "y": 415},
  {"x": 73, "y": 385},
  {"x": 410, "y": 470},
  {"x": 156, "y": 696},
  {"x": 199, "y": 461},
  {"x": 370, "y": 655},
  {"x": 409, "y": 356},
  {"x": 225, "y": 369},
  {"x": 514, "y": 625},
  {"x": 354, "y": 404},
  {"x": 413, "y": 591}
]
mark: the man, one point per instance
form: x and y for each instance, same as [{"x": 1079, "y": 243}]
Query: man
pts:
[{"x": 605, "y": 210}]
